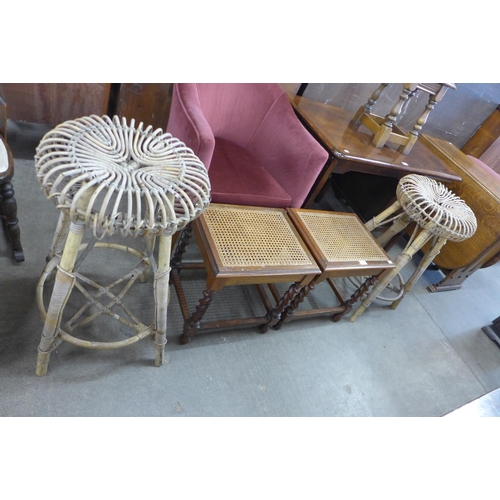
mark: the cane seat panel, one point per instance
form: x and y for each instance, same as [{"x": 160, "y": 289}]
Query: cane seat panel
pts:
[{"x": 254, "y": 237}]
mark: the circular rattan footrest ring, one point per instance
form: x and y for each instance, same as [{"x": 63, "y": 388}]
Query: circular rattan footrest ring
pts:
[{"x": 142, "y": 330}]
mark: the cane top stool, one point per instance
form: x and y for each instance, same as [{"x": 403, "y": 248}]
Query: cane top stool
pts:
[
  {"x": 439, "y": 215},
  {"x": 113, "y": 178},
  {"x": 243, "y": 245},
  {"x": 385, "y": 129},
  {"x": 342, "y": 247}
]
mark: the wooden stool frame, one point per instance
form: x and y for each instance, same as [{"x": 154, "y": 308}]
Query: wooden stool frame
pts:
[
  {"x": 369, "y": 268},
  {"x": 220, "y": 275}
]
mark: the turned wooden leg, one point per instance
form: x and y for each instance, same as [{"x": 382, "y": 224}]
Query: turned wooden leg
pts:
[
  {"x": 289, "y": 311},
  {"x": 161, "y": 289},
  {"x": 355, "y": 297},
  {"x": 62, "y": 289},
  {"x": 9, "y": 210},
  {"x": 176, "y": 262},
  {"x": 194, "y": 321},
  {"x": 385, "y": 129},
  {"x": 417, "y": 127},
  {"x": 367, "y": 108},
  {"x": 274, "y": 316}
]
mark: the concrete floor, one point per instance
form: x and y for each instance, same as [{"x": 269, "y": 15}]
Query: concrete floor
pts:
[{"x": 426, "y": 358}]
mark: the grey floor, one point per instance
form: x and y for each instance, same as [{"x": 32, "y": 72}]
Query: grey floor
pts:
[{"x": 426, "y": 358}]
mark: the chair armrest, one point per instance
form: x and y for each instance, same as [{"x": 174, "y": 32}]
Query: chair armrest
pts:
[
  {"x": 188, "y": 124},
  {"x": 288, "y": 151}
]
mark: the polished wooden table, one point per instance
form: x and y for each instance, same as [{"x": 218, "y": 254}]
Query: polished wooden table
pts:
[
  {"x": 351, "y": 149},
  {"x": 481, "y": 192}
]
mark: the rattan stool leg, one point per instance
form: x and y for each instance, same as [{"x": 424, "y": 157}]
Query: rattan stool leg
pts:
[
  {"x": 382, "y": 216},
  {"x": 411, "y": 249},
  {"x": 60, "y": 234},
  {"x": 423, "y": 265},
  {"x": 397, "y": 227},
  {"x": 161, "y": 288},
  {"x": 62, "y": 288}
]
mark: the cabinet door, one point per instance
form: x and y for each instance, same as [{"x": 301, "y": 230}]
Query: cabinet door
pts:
[
  {"x": 485, "y": 143},
  {"x": 145, "y": 102},
  {"x": 53, "y": 103}
]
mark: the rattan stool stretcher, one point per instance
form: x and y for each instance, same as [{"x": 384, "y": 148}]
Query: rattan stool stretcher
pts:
[
  {"x": 439, "y": 215},
  {"x": 242, "y": 245},
  {"x": 113, "y": 178}
]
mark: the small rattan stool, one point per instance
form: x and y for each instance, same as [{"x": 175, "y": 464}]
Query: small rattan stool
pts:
[
  {"x": 439, "y": 215},
  {"x": 243, "y": 245},
  {"x": 113, "y": 178}
]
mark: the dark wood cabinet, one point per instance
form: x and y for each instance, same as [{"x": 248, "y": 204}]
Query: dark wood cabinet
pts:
[
  {"x": 485, "y": 143},
  {"x": 53, "y": 103},
  {"x": 145, "y": 102}
]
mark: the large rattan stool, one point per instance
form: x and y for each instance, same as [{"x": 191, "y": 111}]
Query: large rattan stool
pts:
[
  {"x": 343, "y": 248},
  {"x": 242, "y": 245},
  {"x": 114, "y": 179},
  {"x": 439, "y": 215}
]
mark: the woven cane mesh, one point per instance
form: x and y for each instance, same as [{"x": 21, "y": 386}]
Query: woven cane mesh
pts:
[
  {"x": 435, "y": 208},
  {"x": 254, "y": 238},
  {"x": 342, "y": 237},
  {"x": 133, "y": 181}
]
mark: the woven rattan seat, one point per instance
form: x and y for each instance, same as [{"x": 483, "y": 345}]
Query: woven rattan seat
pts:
[
  {"x": 435, "y": 208},
  {"x": 439, "y": 215},
  {"x": 114, "y": 178},
  {"x": 243, "y": 245}
]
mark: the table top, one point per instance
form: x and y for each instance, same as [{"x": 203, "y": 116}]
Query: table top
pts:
[
  {"x": 345, "y": 141},
  {"x": 340, "y": 243}
]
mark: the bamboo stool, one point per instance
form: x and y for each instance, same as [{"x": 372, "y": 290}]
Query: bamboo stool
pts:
[
  {"x": 343, "y": 248},
  {"x": 242, "y": 245},
  {"x": 439, "y": 215},
  {"x": 113, "y": 178},
  {"x": 385, "y": 129}
]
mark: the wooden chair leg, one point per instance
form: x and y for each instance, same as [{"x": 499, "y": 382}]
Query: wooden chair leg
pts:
[
  {"x": 294, "y": 302},
  {"x": 193, "y": 322},
  {"x": 62, "y": 289},
  {"x": 183, "y": 241},
  {"x": 9, "y": 211}
]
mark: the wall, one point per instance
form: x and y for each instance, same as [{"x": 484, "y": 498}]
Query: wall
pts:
[{"x": 455, "y": 118}]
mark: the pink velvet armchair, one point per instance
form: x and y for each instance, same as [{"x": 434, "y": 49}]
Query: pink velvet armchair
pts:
[{"x": 255, "y": 148}]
